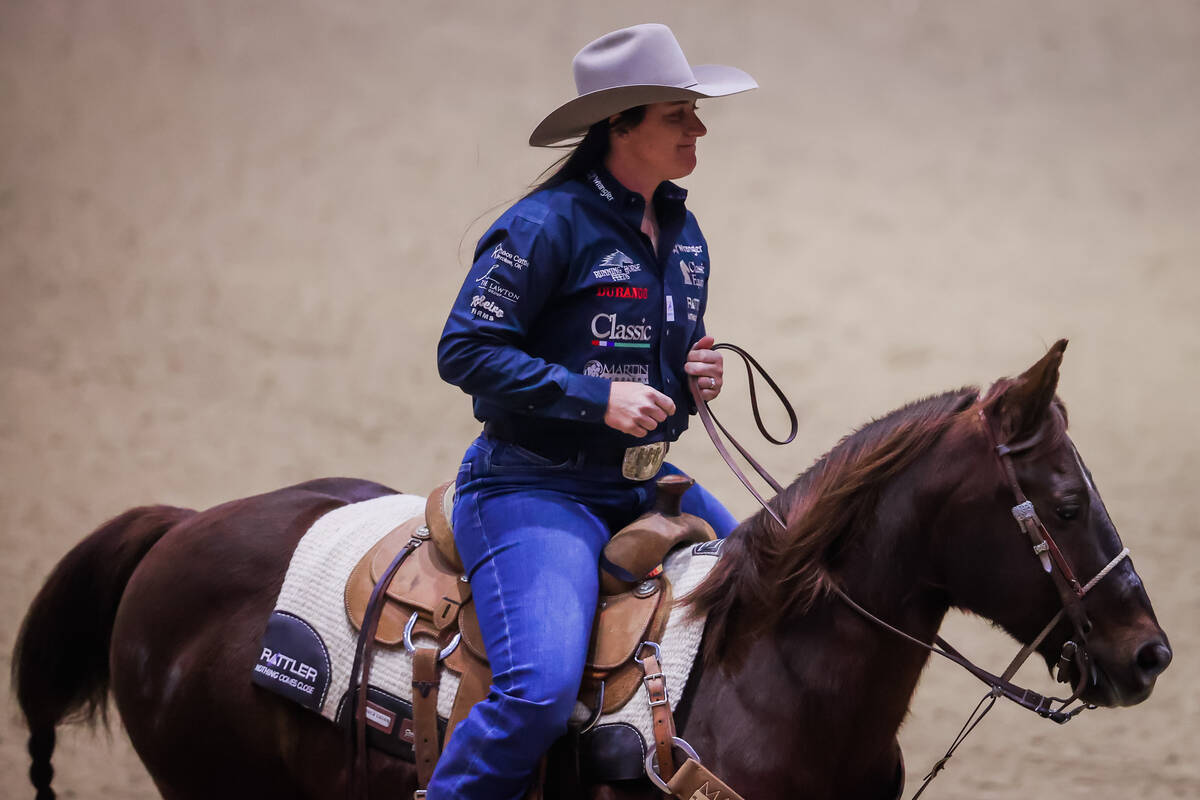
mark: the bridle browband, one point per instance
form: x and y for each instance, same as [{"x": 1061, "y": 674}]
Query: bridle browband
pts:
[{"x": 1053, "y": 562}]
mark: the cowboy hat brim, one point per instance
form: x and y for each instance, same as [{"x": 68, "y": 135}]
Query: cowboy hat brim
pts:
[{"x": 574, "y": 117}]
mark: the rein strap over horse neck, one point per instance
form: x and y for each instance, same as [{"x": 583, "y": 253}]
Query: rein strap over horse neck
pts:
[
  {"x": 1045, "y": 548},
  {"x": 1043, "y": 544},
  {"x": 711, "y": 424}
]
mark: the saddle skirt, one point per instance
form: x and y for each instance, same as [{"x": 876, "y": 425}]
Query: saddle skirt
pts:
[{"x": 309, "y": 646}]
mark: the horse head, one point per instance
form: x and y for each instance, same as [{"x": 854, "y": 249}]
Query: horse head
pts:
[{"x": 1065, "y": 556}]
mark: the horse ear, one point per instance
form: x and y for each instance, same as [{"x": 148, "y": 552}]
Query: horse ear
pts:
[{"x": 1023, "y": 405}]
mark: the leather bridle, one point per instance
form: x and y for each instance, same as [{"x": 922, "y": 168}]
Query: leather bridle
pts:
[
  {"x": 1070, "y": 591},
  {"x": 1055, "y": 564}
]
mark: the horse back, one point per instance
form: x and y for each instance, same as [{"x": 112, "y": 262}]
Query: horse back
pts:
[{"x": 186, "y": 639}]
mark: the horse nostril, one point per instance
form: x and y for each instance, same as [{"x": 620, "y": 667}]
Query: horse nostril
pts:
[{"x": 1153, "y": 658}]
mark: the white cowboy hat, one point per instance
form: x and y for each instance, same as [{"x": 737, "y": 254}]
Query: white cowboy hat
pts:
[{"x": 633, "y": 67}]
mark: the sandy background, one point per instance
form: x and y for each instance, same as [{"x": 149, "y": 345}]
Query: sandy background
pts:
[{"x": 230, "y": 232}]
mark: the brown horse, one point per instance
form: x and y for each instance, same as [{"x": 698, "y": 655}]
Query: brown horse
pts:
[{"x": 799, "y": 694}]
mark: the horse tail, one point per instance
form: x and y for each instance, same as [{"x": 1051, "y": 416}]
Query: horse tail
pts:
[{"x": 60, "y": 661}]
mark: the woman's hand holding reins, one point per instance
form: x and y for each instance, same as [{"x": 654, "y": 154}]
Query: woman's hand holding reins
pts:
[
  {"x": 636, "y": 408},
  {"x": 708, "y": 365}
]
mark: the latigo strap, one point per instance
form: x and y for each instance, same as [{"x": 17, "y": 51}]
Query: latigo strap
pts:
[
  {"x": 357, "y": 785},
  {"x": 692, "y": 781},
  {"x": 425, "y": 719},
  {"x": 660, "y": 711}
]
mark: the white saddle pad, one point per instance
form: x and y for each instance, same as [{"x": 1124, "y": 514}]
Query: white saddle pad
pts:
[{"x": 314, "y": 588}]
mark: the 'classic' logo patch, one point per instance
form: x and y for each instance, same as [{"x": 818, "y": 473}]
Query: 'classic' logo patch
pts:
[{"x": 608, "y": 332}]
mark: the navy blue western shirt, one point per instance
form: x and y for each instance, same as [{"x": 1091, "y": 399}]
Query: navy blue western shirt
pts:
[{"x": 567, "y": 294}]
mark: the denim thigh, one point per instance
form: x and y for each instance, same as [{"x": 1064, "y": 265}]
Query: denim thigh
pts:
[{"x": 530, "y": 536}]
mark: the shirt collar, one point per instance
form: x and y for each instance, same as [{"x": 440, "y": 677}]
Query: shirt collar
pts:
[
  {"x": 670, "y": 192},
  {"x": 602, "y": 183}
]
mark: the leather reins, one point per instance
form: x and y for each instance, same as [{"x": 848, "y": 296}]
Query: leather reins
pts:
[
  {"x": 1052, "y": 560},
  {"x": 712, "y": 424}
]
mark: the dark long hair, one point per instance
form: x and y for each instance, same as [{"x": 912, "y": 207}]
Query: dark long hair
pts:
[
  {"x": 589, "y": 152},
  {"x": 586, "y": 154}
]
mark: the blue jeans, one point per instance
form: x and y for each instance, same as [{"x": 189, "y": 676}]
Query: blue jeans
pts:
[{"x": 530, "y": 532}]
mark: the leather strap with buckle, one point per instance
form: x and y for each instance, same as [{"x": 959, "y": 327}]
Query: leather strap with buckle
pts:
[
  {"x": 425, "y": 719},
  {"x": 660, "y": 707}
]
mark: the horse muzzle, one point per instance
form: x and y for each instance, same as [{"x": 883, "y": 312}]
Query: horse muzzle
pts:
[{"x": 1122, "y": 676}]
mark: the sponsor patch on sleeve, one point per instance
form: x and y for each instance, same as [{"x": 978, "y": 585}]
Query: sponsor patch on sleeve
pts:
[
  {"x": 503, "y": 256},
  {"x": 491, "y": 284},
  {"x": 485, "y": 308}
]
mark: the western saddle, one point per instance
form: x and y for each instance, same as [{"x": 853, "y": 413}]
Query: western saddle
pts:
[{"x": 428, "y": 597}]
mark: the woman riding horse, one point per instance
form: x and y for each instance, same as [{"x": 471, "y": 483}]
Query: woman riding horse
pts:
[
  {"x": 801, "y": 694},
  {"x": 575, "y": 333}
]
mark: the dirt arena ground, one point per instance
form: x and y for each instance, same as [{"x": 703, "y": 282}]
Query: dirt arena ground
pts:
[{"x": 229, "y": 234}]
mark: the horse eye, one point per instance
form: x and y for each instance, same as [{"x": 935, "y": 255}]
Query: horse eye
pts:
[{"x": 1067, "y": 511}]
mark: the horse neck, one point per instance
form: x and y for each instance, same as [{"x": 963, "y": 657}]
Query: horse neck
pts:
[
  {"x": 890, "y": 567},
  {"x": 888, "y": 570},
  {"x": 828, "y": 681}
]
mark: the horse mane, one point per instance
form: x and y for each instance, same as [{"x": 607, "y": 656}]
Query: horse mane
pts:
[{"x": 765, "y": 573}]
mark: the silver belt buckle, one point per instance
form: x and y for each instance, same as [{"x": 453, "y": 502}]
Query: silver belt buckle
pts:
[{"x": 643, "y": 462}]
